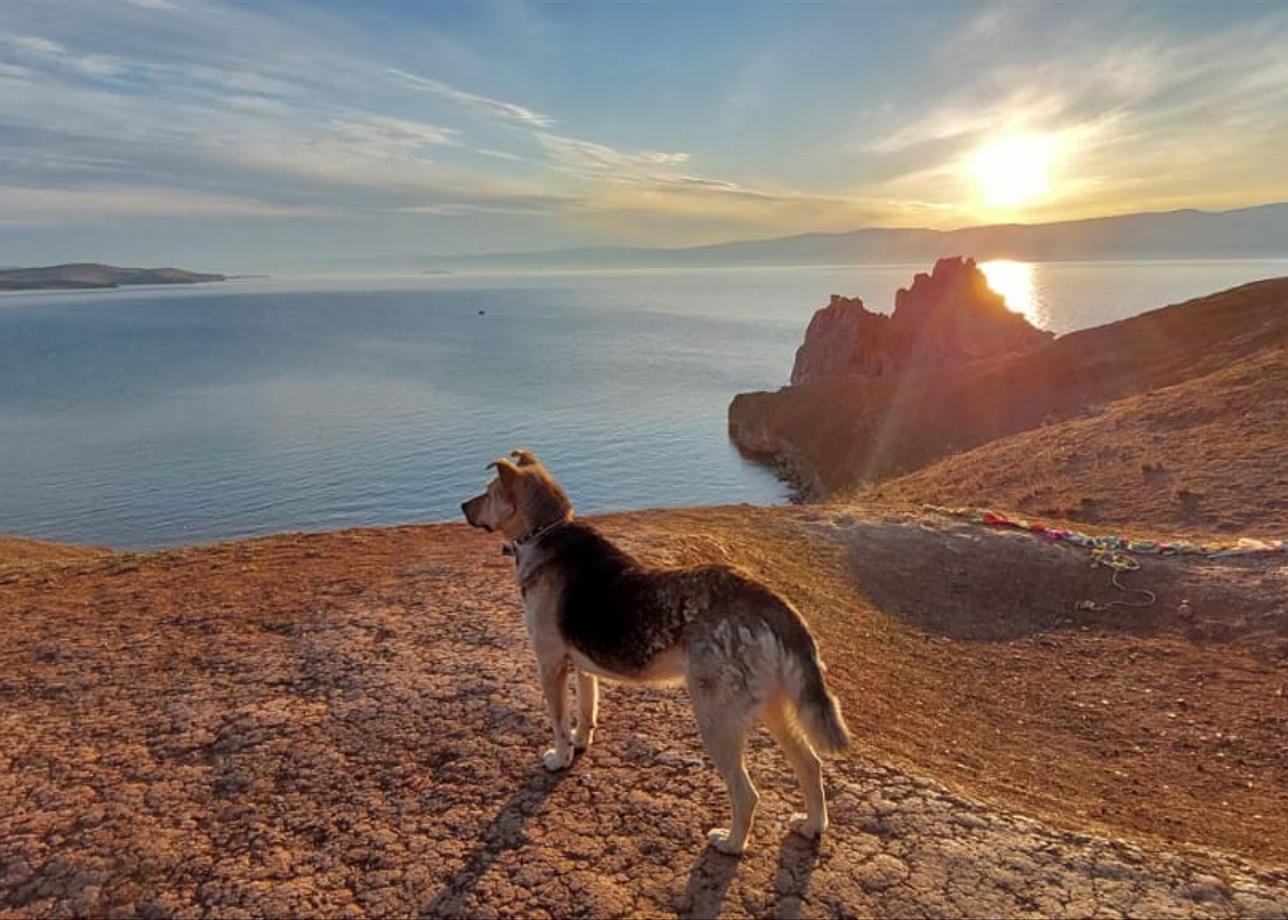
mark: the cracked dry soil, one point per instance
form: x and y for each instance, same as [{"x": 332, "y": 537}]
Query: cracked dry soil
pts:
[{"x": 349, "y": 724}]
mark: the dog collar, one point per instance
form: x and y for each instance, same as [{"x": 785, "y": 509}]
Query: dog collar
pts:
[{"x": 511, "y": 547}]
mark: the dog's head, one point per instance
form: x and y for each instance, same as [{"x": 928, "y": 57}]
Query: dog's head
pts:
[{"x": 522, "y": 498}]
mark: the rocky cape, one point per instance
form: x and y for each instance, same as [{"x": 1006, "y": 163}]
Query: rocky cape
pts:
[
  {"x": 92, "y": 275},
  {"x": 846, "y": 425},
  {"x": 947, "y": 317}
]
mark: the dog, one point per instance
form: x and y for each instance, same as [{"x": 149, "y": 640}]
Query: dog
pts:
[{"x": 744, "y": 653}]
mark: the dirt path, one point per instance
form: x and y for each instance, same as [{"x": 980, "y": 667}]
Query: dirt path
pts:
[{"x": 347, "y": 724}]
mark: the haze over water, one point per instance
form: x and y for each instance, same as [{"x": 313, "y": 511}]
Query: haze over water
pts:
[{"x": 143, "y": 418}]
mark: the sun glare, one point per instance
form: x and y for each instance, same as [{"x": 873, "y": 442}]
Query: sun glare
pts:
[
  {"x": 1014, "y": 281},
  {"x": 1014, "y": 170}
]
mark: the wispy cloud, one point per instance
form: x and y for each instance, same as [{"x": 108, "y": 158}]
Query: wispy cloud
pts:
[
  {"x": 38, "y": 47},
  {"x": 1130, "y": 110},
  {"x": 93, "y": 203},
  {"x": 498, "y": 154},
  {"x": 157, "y": 108},
  {"x": 33, "y": 44},
  {"x": 591, "y": 158},
  {"x": 494, "y": 107}
]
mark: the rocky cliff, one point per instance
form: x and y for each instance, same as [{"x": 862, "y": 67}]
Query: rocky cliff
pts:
[
  {"x": 836, "y": 432},
  {"x": 946, "y": 317}
]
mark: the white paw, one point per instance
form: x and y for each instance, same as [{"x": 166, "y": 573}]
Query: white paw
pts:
[
  {"x": 556, "y": 760},
  {"x": 721, "y": 839},
  {"x": 806, "y": 826},
  {"x": 581, "y": 740}
]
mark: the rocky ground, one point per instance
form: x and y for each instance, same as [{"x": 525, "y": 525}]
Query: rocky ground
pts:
[{"x": 349, "y": 724}]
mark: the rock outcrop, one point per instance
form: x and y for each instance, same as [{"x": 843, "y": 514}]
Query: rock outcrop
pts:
[
  {"x": 947, "y": 317},
  {"x": 845, "y": 431}
]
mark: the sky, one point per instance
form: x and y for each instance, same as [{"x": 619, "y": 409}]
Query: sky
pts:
[{"x": 270, "y": 135}]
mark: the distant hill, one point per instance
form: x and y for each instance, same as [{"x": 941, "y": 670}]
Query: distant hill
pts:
[
  {"x": 93, "y": 275},
  {"x": 1258, "y": 232}
]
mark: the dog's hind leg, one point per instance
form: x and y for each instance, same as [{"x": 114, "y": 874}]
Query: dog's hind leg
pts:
[
  {"x": 587, "y": 710},
  {"x": 723, "y": 723},
  {"x": 809, "y": 771}
]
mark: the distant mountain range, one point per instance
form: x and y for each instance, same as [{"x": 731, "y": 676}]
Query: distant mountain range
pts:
[
  {"x": 1258, "y": 232},
  {"x": 93, "y": 275}
]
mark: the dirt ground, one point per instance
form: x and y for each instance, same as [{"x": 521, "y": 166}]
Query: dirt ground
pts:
[{"x": 349, "y": 724}]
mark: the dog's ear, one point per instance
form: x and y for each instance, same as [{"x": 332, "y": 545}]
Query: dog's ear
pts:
[
  {"x": 525, "y": 457},
  {"x": 509, "y": 476},
  {"x": 506, "y": 471}
]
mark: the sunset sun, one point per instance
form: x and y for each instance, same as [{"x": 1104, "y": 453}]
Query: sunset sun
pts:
[{"x": 1014, "y": 170}]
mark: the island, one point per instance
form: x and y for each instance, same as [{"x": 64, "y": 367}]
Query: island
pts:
[{"x": 92, "y": 275}]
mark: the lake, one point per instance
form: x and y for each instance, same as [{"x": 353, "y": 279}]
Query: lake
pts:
[{"x": 151, "y": 417}]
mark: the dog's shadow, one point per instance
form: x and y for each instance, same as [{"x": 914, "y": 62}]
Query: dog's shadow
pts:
[
  {"x": 713, "y": 873},
  {"x": 797, "y": 858},
  {"x": 504, "y": 832}
]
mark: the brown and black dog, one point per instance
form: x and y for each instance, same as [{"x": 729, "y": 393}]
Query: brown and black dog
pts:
[{"x": 742, "y": 650}]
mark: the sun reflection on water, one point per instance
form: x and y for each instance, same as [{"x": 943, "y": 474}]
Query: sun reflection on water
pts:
[{"x": 1017, "y": 283}]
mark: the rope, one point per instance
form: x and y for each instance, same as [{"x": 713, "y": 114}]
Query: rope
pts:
[
  {"x": 1111, "y": 550},
  {"x": 1119, "y": 563},
  {"x": 1244, "y": 546}
]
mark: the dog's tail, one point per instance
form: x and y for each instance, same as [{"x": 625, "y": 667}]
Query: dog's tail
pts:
[{"x": 817, "y": 710}]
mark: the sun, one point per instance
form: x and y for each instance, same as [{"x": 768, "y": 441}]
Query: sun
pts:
[{"x": 1013, "y": 170}]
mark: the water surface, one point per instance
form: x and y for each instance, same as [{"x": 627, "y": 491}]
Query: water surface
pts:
[{"x": 148, "y": 417}]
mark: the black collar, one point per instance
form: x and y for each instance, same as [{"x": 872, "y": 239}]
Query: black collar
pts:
[{"x": 511, "y": 547}]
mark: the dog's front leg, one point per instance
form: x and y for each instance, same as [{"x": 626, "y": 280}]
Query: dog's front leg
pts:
[{"x": 554, "y": 682}]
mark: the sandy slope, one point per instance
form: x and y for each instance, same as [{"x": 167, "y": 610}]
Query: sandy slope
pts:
[
  {"x": 348, "y": 724},
  {"x": 1207, "y": 456}
]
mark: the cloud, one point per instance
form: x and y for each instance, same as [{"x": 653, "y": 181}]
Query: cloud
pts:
[
  {"x": 1131, "y": 105},
  {"x": 495, "y": 108},
  {"x": 592, "y": 158},
  {"x": 279, "y": 109},
  {"x": 532, "y": 207},
  {"x": 91, "y": 65},
  {"x": 34, "y": 44},
  {"x": 384, "y": 136},
  {"x": 226, "y": 78},
  {"x": 498, "y": 154},
  {"x": 91, "y": 203}
]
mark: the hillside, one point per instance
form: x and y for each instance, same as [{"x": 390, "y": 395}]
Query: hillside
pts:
[
  {"x": 78, "y": 275},
  {"x": 349, "y": 724},
  {"x": 1202, "y": 457},
  {"x": 833, "y": 435}
]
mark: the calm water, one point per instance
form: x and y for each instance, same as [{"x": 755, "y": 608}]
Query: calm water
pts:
[{"x": 142, "y": 418}]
